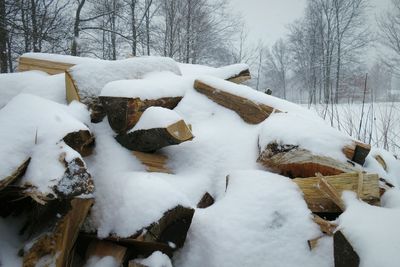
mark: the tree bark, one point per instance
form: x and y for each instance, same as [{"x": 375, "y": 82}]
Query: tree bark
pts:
[
  {"x": 3, "y": 38},
  {"x": 74, "y": 48}
]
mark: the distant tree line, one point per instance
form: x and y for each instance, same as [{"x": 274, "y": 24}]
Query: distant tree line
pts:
[{"x": 191, "y": 31}]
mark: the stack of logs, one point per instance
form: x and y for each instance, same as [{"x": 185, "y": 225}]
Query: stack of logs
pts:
[{"x": 322, "y": 180}]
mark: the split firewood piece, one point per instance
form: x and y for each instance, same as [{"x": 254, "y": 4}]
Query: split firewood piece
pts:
[
  {"x": 25, "y": 63},
  {"x": 102, "y": 249},
  {"x": 293, "y": 161},
  {"x": 381, "y": 161},
  {"x": 54, "y": 248},
  {"x": 166, "y": 235},
  {"x": 326, "y": 227},
  {"x": 313, "y": 243},
  {"x": 154, "y": 162},
  {"x": 206, "y": 201},
  {"x": 344, "y": 254},
  {"x": 152, "y": 139},
  {"x": 318, "y": 201},
  {"x": 357, "y": 152},
  {"x": 123, "y": 113},
  {"x": 330, "y": 191},
  {"x": 81, "y": 141},
  {"x": 243, "y": 76},
  {"x": 250, "y": 111},
  {"x": 18, "y": 173}
]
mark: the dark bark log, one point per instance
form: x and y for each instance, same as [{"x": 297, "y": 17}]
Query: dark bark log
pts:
[
  {"x": 206, "y": 201},
  {"x": 151, "y": 140},
  {"x": 344, "y": 254},
  {"x": 123, "y": 113},
  {"x": 81, "y": 141}
]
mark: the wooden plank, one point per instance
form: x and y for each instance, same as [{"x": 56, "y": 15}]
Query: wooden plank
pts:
[
  {"x": 154, "y": 162},
  {"x": 51, "y": 67},
  {"x": 319, "y": 202},
  {"x": 248, "y": 110}
]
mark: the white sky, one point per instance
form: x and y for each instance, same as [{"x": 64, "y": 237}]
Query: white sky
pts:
[{"x": 267, "y": 19}]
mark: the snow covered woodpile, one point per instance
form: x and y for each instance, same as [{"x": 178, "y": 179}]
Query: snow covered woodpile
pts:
[{"x": 189, "y": 168}]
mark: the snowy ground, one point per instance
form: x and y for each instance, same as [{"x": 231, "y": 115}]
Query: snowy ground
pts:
[{"x": 260, "y": 219}]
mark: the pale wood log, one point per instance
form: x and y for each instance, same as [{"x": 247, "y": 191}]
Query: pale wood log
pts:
[
  {"x": 326, "y": 227},
  {"x": 55, "y": 246},
  {"x": 292, "y": 161},
  {"x": 319, "y": 202},
  {"x": 49, "y": 66},
  {"x": 101, "y": 248},
  {"x": 123, "y": 113},
  {"x": 17, "y": 173},
  {"x": 344, "y": 254},
  {"x": 248, "y": 110},
  {"x": 206, "y": 201},
  {"x": 241, "y": 77},
  {"x": 330, "y": 191},
  {"x": 150, "y": 140},
  {"x": 154, "y": 162},
  {"x": 381, "y": 161},
  {"x": 81, "y": 141},
  {"x": 71, "y": 88},
  {"x": 357, "y": 152}
]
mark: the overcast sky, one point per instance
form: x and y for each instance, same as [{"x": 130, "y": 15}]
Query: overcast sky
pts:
[{"x": 267, "y": 19}]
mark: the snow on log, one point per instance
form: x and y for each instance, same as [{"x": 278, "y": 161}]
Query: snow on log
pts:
[
  {"x": 250, "y": 111},
  {"x": 158, "y": 127},
  {"x": 293, "y": 161},
  {"x": 236, "y": 73},
  {"x": 50, "y": 63},
  {"x": 123, "y": 113},
  {"x": 154, "y": 162},
  {"x": 365, "y": 185},
  {"x": 53, "y": 248},
  {"x": 344, "y": 254},
  {"x": 34, "y": 128},
  {"x": 18, "y": 173},
  {"x": 357, "y": 152},
  {"x": 167, "y": 234},
  {"x": 100, "y": 249}
]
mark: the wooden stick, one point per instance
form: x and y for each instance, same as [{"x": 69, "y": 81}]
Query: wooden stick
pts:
[{"x": 331, "y": 192}]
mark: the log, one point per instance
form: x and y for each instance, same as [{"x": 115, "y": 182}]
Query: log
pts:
[
  {"x": 51, "y": 67},
  {"x": 241, "y": 77},
  {"x": 166, "y": 235},
  {"x": 292, "y": 161},
  {"x": 357, "y": 152},
  {"x": 381, "y": 161},
  {"x": 248, "y": 110},
  {"x": 313, "y": 243},
  {"x": 344, "y": 254},
  {"x": 54, "y": 248},
  {"x": 154, "y": 162},
  {"x": 18, "y": 173},
  {"x": 81, "y": 141},
  {"x": 206, "y": 201},
  {"x": 326, "y": 227},
  {"x": 150, "y": 140},
  {"x": 123, "y": 113},
  {"x": 317, "y": 201},
  {"x": 102, "y": 249}
]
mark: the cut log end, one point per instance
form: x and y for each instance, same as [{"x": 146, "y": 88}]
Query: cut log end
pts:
[
  {"x": 357, "y": 152},
  {"x": 154, "y": 162},
  {"x": 81, "y": 141},
  {"x": 151, "y": 140}
]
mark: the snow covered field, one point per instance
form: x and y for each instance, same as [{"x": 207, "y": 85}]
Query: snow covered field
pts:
[{"x": 259, "y": 219}]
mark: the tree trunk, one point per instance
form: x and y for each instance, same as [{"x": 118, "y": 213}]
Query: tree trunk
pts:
[
  {"x": 74, "y": 48},
  {"x": 3, "y": 38}
]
